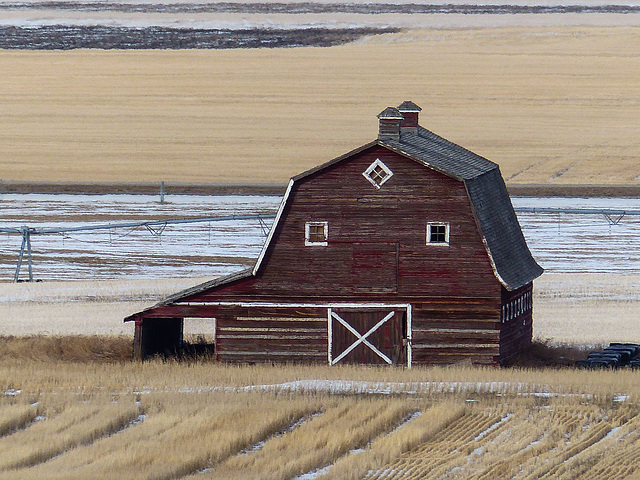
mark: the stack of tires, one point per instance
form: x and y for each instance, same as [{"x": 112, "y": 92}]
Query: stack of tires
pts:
[{"x": 616, "y": 355}]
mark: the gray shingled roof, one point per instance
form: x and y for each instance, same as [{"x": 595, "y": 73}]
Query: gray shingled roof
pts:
[
  {"x": 440, "y": 154},
  {"x": 512, "y": 261},
  {"x": 409, "y": 106}
]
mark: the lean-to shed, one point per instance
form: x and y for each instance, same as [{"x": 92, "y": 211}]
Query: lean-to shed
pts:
[{"x": 404, "y": 251}]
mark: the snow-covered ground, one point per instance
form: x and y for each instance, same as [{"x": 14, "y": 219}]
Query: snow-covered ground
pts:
[
  {"x": 207, "y": 249},
  {"x": 560, "y": 242},
  {"x": 578, "y": 243}
]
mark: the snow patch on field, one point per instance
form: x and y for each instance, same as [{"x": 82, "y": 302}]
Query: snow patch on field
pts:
[
  {"x": 493, "y": 427},
  {"x": 560, "y": 243},
  {"x": 357, "y": 387}
]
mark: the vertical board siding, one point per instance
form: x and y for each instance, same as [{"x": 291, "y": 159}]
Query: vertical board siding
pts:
[{"x": 357, "y": 214}]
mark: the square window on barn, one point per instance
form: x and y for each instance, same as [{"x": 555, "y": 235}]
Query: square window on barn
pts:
[
  {"x": 316, "y": 233},
  {"x": 438, "y": 233},
  {"x": 377, "y": 173}
]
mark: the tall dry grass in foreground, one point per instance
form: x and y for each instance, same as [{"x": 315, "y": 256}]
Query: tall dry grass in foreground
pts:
[
  {"x": 550, "y": 105},
  {"x": 261, "y": 435},
  {"x": 354, "y": 423},
  {"x": 176, "y": 436},
  {"x": 57, "y": 432},
  {"x": 65, "y": 420}
]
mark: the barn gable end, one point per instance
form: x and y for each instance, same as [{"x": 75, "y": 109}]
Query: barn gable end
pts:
[{"x": 403, "y": 251}]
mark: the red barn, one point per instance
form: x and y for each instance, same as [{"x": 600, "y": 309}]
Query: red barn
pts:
[{"x": 404, "y": 251}]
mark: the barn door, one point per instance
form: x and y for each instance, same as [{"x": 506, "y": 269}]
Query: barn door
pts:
[{"x": 367, "y": 336}]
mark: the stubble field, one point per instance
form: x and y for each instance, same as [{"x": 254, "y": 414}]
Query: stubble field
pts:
[
  {"x": 551, "y": 105},
  {"x": 158, "y": 420}
]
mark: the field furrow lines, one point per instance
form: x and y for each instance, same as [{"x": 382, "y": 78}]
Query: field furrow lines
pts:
[
  {"x": 616, "y": 456},
  {"x": 315, "y": 444},
  {"x": 74, "y": 426},
  {"x": 178, "y": 440},
  {"x": 448, "y": 450},
  {"x": 15, "y": 417}
]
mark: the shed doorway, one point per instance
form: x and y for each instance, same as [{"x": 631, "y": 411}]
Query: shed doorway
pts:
[{"x": 368, "y": 336}]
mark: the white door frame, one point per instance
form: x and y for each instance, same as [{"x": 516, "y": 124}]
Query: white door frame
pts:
[{"x": 362, "y": 338}]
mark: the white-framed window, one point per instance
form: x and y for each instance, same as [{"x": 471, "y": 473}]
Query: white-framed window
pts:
[
  {"x": 437, "y": 233},
  {"x": 316, "y": 234},
  {"x": 377, "y": 173}
]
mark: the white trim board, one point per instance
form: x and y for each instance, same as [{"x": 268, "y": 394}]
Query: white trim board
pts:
[
  {"x": 263, "y": 252},
  {"x": 300, "y": 305}
]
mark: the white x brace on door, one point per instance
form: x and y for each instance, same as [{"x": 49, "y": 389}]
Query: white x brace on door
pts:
[{"x": 360, "y": 338}]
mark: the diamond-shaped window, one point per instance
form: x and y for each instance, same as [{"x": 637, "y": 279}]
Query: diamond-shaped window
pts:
[{"x": 377, "y": 173}]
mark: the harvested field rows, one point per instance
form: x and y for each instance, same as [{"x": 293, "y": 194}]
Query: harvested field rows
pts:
[
  {"x": 552, "y": 105},
  {"x": 266, "y": 436},
  {"x": 558, "y": 442}
]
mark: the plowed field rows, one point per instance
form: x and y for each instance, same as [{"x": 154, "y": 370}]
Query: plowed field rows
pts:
[{"x": 301, "y": 436}]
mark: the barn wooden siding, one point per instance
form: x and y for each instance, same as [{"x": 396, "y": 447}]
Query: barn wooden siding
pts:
[
  {"x": 516, "y": 319},
  {"x": 376, "y": 249},
  {"x": 377, "y": 239},
  {"x": 376, "y": 292},
  {"x": 272, "y": 335}
]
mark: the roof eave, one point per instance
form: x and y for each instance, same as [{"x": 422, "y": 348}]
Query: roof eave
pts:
[{"x": 240, "y": 275}]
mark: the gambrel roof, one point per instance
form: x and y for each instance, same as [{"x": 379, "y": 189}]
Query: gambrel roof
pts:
[
  {"x": 511, "y": 260},
  {"x": 513, "y": 264},
  {"x": 510, "y": 256}
]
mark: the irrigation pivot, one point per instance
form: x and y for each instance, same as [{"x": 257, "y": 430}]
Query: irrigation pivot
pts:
[
  {"x": 612, "y": 216},
  {"x": 155, "y": 227}
]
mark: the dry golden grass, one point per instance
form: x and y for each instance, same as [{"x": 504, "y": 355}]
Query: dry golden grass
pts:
[
  {"x": 13, "y": 417},
  {"x": 166, "y": 420},
  {"x": 551, "y": 105},
  {"x": 178, "y": 435},
  {"x": 388, "y": 447},
  {"x": 316, "y": 443},
  {"x": 78, "y": 348},
  {"x": 519, "y": 441},
  {"x": 57, "y": 432}
]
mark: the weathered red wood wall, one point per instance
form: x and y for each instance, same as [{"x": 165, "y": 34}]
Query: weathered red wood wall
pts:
[
  {"x": 376, "y": 252},
  {"x": 272, "y": 335}
]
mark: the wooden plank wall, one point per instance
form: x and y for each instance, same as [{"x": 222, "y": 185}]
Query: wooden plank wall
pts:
[
  {"x": 291, "y": 336},
  {"x": 376, "y": 252},
  {"x": 447, "y": 333},
  {"x": 357, "y": 214}
]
